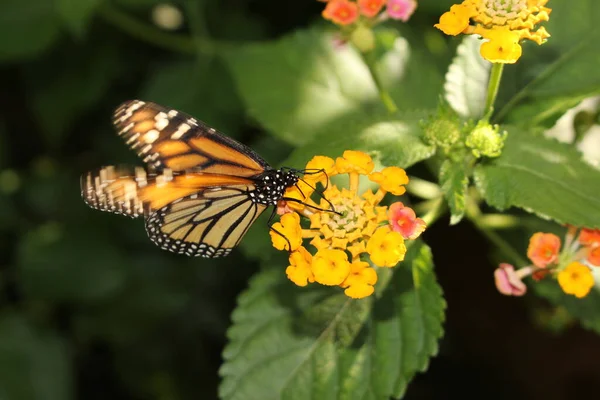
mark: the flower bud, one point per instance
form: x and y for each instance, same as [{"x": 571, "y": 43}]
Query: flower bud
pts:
[
  {"x": 486, "y": 140},
  {"x": 363, "y": 38}
]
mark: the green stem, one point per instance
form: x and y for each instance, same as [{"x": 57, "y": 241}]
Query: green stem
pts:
[
  {"x": 148, "y": 33},
  {"x": 492, "y": 92},
  {"x": 388, "y": 102},
  {"x": 435, "y": 212},
  {"x": 473, "y": 213}
]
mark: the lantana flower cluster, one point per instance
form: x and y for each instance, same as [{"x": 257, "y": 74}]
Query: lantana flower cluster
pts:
[
  {"x": 345, "y": 227},
  {"x": 503, "y": 23},
  {"x": 348, "y": 12},
  {"x": 357, "y": 18},
  {"x": 572, "y": 266}
]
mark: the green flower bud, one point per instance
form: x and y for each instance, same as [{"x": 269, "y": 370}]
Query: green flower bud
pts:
[
  {"x": 363, "y": 38},
  {"x": 486, "y": 140},
  {"x": 442, "y": 133}
]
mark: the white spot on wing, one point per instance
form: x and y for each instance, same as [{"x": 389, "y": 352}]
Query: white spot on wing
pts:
[
  {"x": 181, "y": 130},
  {"x": 151, "y": 136}
]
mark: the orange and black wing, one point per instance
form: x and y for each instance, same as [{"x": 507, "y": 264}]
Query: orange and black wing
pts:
[
  {"x": 196, "y": 214},
  {"x": 167, "y": 138},
  {"x": 208, "y": 224}
]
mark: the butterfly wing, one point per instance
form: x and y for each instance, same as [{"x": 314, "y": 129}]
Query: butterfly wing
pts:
[
  {"x": 167, "y": 138},
  {"x": 196, "y": 214},
  {"x": 208, "y": 224}
]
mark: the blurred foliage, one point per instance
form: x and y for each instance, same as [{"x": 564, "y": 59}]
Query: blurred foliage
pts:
[{"x": 92, "y": 309}]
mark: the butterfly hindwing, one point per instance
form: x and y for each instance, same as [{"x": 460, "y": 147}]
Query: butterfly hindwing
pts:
[
  {"x": 207, "y": 224},
  {"x": 167, "y": 138}
]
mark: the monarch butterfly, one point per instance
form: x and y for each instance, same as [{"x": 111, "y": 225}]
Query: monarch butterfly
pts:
[{"x": 201, "y": 191}]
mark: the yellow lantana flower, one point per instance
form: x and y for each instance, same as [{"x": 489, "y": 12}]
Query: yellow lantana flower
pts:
[
  {"x": 330, "y": 267},
  {"x": 299, "y": 271},
  {"x": 386, "y": 247},
  {"x": 360, "y": 280},
  {"x": 287, "y": 232},
  {"x": 354, "y": 161},
  {"x": 391, "y": 179},
  {"x": 576, "y": 279},
  {"x": 346, "y": 227},
  {"x": 504, "y": 23}
]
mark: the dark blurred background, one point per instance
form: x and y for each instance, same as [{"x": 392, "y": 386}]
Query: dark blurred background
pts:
[{"x": 91, "y": 309}]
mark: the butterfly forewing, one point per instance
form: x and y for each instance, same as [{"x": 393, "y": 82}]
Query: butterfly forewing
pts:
[
  {"x": 167, "y": 138},
  {"x": 134, "y": 192}
]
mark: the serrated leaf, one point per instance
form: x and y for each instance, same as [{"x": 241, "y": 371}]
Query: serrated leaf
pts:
[
  {"x": 552, "y": 78},
  {"x": 389, "y": 139},
  {"x": 454, "y": 183},
  {"x": 315, "y": 343},
  {"x": 541, "y": 176},
  {"x": 466, "y": 80},
  {"x": 77, "y": 14},
  {"x": 296, "y": 85},
  {"x": 34, "y": 364},
  {"x": 26, "y": 28}
]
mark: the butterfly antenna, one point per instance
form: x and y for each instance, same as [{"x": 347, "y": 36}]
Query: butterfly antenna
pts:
[{"x": 331, "y": 206}]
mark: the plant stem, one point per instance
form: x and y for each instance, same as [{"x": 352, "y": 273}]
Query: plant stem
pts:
[
  {"x": 435, "y": 212},
  {"x": 148, "y": 33},
  {"x": 492, "y": 92},
  {"x": 473, "y": 213},
  {"x": 388, "y": 102}
]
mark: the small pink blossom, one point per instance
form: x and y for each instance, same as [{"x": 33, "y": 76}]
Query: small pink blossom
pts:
[
  {"x": 509, "y": 282},
  {"x": 404, "y": 220},
  {"x": 401, "y": 9}
]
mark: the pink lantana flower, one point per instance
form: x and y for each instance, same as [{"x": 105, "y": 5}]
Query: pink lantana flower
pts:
[
  {"x": 401, "y": 9},
  {"x": 509, "y": 282},
  {"x": 404, "y": 220}
]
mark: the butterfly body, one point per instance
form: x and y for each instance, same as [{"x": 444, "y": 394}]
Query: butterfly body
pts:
[{"x": 200, "y": 191}]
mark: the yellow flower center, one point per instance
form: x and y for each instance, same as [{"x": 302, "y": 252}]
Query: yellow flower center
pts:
[
  {"x": 351, "y": 215},
  {"x": 508, "y": 9}
]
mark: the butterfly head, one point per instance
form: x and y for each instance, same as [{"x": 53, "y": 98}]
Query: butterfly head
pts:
[{"x": 272, "y": 184}]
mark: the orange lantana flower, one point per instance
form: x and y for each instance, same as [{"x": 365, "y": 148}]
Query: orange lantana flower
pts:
[{"x": 543, "y": 249}]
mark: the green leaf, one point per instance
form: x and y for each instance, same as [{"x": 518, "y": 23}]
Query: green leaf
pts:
[
  {"x": 72, "y": 266},
  {"x": 34, "y": 364},
  {"x": 467, "y": 78},
  {"x": 544, "y": 177},
  {"x": 26, "y": 28},
  {"x": 390, "y": 139},
  {"x": 454, "y": 183},
  {"x": 585, "y": 309},
  {"x": 552, "y": 78},
  {"x": 315, "y": 343},
  {"x": 77, "y": 14},
  {"x": 296, "y": 85}
]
